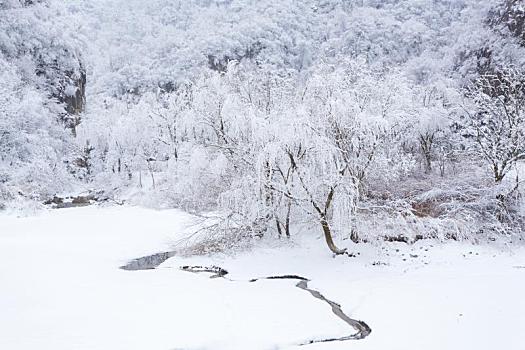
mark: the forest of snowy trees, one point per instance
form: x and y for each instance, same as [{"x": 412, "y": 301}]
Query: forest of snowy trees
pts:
[{"x": 366, "y": 119}]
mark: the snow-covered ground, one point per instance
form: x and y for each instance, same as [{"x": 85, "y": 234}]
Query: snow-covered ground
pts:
[{"x": 61, "y": 288}]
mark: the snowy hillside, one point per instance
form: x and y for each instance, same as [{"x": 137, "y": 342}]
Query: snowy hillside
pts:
[{"x": 348, "y": 172}]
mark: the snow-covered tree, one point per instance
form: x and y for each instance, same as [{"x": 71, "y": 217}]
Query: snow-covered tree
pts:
[{"x": 496, "y": 119}]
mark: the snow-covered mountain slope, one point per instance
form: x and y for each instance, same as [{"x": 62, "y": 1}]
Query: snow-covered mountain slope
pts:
[{"x": 136, "y": 46}]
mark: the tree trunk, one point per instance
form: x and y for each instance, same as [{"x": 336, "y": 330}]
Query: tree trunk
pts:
[
  {"x": 278, "y": 224},
  {"x": 426, "y": 143},
  {"x": 498, "y": 173},
  {"x": 287, "y": 222},
  {"x": 328, "y": 237}
]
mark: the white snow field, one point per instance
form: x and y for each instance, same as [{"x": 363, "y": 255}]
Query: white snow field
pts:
[{"x": 61, "y": 288}]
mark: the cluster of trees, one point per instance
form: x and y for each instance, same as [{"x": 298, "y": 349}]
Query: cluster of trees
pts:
[
  {"x": 276, "y": 150},
  {"x": 41, "y": 82},
  {"x": 161, "y": 44},
  {"x": 361, "y": 118}
]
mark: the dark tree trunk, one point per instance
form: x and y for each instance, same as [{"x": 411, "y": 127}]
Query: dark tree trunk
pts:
[{"x": 328, "y": 237}]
